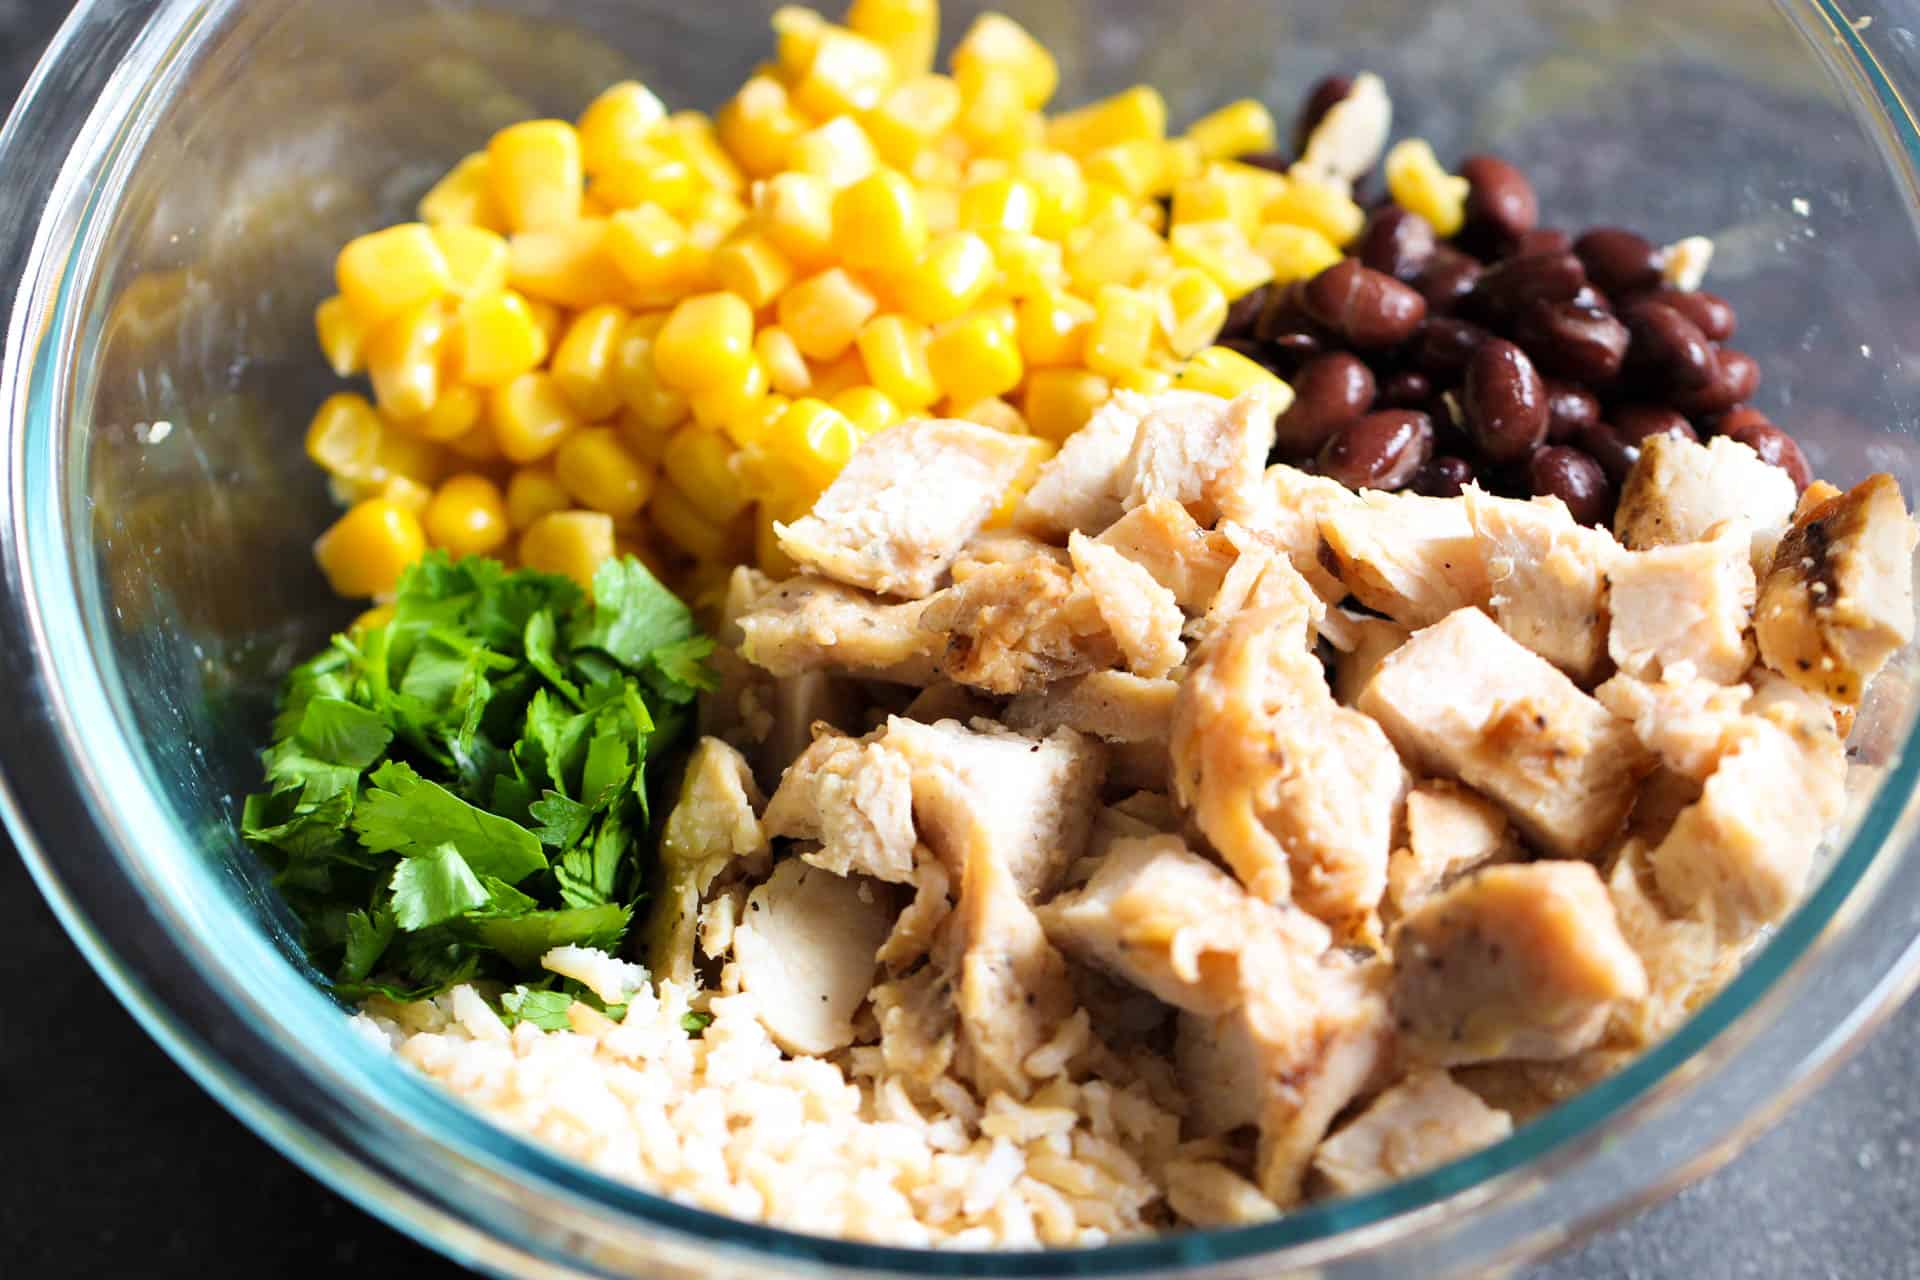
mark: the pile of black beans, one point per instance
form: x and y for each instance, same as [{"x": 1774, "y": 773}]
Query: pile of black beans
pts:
[{"x": 1516, "y": 356}]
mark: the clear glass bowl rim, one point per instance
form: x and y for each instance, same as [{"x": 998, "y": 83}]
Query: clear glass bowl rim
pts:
[{"x": 54, "y": 661}]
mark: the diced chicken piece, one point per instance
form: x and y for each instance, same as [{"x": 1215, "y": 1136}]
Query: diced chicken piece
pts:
[
  {"x": 1206, "y": 1193},
  {"x": 1546, "y": 578},
  {"x": 945, "y": 700},
  {"x": 1002, "y": 546},
  {"x": 1160, "y": 537},
  {"x": 1262, "y": 577},
  {"x": 1221, "y": 1070},
  {"x": 919, "y": 921},
  {"x": 1684, "y": 958},
  {"x": 1298, "y": 793},
  {"x": 1142, "y": 615},
  {"x": 918, "y": 1023},
  {"x": 1413, "y": 558},
  {"x": 1169, "y": 921},
  {"x": 1813, "y": 497},
  {"x": 1686, "y": 722},
  {"x": 1346, "y": 143},
  {"x": 734, "y": 709},
  {"x": 1139, "y": 766},
  {"x": 1027, "y": 801},
  {"x": 711, "y": 829},
  {"x": 905, "y": 503},
  {"x": 1288, "y": 508},
  {"x": 806, "y": 953},
  {"x": 1450, "y": 831},
  {"x": 1013, "y": 628},
  {"x": 1685, "y": 606},
  {"x": 793, "y": 708},
  {"x": 1838, "y": 599},
  {"x": 1678, "y": 491},
  {"x": 811, "y": 624},
  {"x": 1421, "y": 1123},
  {"x": 854, "y": 796},
  {"x": 1112, "y": 705},
  {"x": 1517, "y": 961},
  {"x": 1085, "y": 485},
  {"x": 1664, "y": 796},
  {"x": 1372, "y": 639},
  {"x": 1201, "y": 451},
  {"x": 1462, "y": 699}
]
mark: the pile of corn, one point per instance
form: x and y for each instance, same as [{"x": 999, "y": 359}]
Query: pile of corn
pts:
[{"x": 658, "y": 334}]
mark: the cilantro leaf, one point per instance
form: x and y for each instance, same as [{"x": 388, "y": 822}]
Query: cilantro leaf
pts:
[
  {"x": 342, "y": 733},
  {"x": 539, "y": 639},
  {"x": 546, "y": 1010},
  {"x": 406, "y": 813},
  {"x": 562, "y": 821},
  {"x": 434, "y": 887},
  {"x": 368, "y": 936},
  {"x": 694, "y": 1023},
  {"x": 680, "y": 671},
  {"x": 632, "y": 614},
  {"x": 524, "y": 939}
]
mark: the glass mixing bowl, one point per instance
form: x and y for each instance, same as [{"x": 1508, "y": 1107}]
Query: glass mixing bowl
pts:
[{"x": 178, "y": 176}]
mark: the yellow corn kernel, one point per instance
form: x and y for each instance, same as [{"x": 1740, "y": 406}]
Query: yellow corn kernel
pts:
[
  {"x": 1052, "y": 329},
  {"x": 367, "y": 549},
  {"x": 1114, "y": 251},
  {"x": 706, "y": 341},
  {"x": 943, "y": 164},
  {"x": 878, "y": 224},
  {"x": 1311, "y": 202},
  {"x": 750, "y": 266},
  {"x": 644, "y": 441},
  {"x": 531, "y": 416},
  {"x": 699, "y": 464},
  {"x": 405, "y": 491},
  {"x": 1419, "y": 184},
  {"x": 739, "y": 397},
  {"x": 767, "y": 552},
  {"x": 598, "y": 472},
  {"x": 1059, "y": 188},
  {"x": 906, "y": 29},
  {"x": 476, "y": 258},
  {"x": 1216, "y": 196},
  {"x": 1037, "y": 450},
  {"x": 868, "y": 408},
  {"x": 464, "y": 197},
  {"x": 759, "y": 125},
  {"x": 956, "y": 272},
  {"x": 1192, "y": 309},
  {"x": 456, "y": 412},
  {"x": 534, "y": 492},
  {"x": 1224, "y": 372},
  {"x": 1237, "y": 129},
  {"x": 650, "y": 401},
  {"x": 838, "y": 151},
  {"x": 691, "y": 136},
  {"x": 647, "y": 173},
  {"x": 940, "y": 203},
  {"x": 1294, "y": 253},
  {"x": 974, "y": 357},
  {"x": 500, "y": 338},
  {"x": 479, "y": 444},
  {"x": 831, "y": 377},
  {"x": 1143, "y": 379},
  {"x": 911, "y": 115},
  {"x": 893, "y": 350},
  {"x": 536, "y": 174},
  {"x": 384, "y": 273},
  {"x": 815, "y": 440},
  {"x": 796, "y": 211},
  {"x": 750, "y": 431},
  {"x": 467, "y": 516},
  {"x": 1221, "y": 250},
  {"x": 584, "y": 362},
  {"x": 796, "y": 37},
  {"x": 403, "y": 361},
  {"x": 343, "y": 337},
  {"x": 823, "y": 313},
  {"x": 996, "y": 43},
  {"x": 677, "y": 518},
  {"x": 1135, "y": 114},
  {"x": 848, "y": 73},
  {"x": 992, "y": 412},
  {"x": 785, "y": 364},
  {"x": 648, "y": 246},
  {"x": 551, "y": 319},
  {"x": 571, "y": 543},
  {"x": 1121, "y": 335},
  {"x": 1058, "y": 402},
  {"x": 1137, "y": 168},
  {"x": 617, "y": 124},
  {"x": 994, "y": 116},
  {"x": 1000, "y": 203},
  {"x": 344, "y": 437},
  {"x": 568, "y": 264},
  {"x": 1028, "y": 264}
]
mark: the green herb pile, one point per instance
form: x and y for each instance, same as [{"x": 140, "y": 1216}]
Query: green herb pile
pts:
[{"x": 461, "y": 789}]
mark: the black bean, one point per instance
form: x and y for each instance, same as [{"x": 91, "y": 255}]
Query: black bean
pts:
[
  {"x": 1572, "y": 341},
  {"x": 1570, "y": 409},
  {"x": 1501, "y": 205},
  {"x": 1539, "y": 240},
  {"x": 1368, "y": 308},
  {"x": 1667, "y": 349},
  {"x": 1636, "y": 422},
  {"x": 1733, "y": 419},
  {"x": 1407, "y": 389},
  {"x": 1619, "y": 261},
  {"x": 1449, "y": 277},
  {"x": 1322, "y": 98},
  {"x": 1504, "y": 401},
  {"x": 1713, "y": 314},
  {"x": 1736, "y": 376},
  {"x": 1606, "y": 446},
  {"x": 1444, "y": 476},
  {"x": 1573, "y": 477},
  {"x": 1444, "y": 345},
  {"x": 1396, "y": 241},
  {"x": 1329, "y": 390},
  {"x": 1588, "y": 296},
  {"x": 1777, "y": 447},
  {"x": 1383, "y": 450},
  {"x": 1285, "y": 353},
  {"x": 1510, "y": 284},
  {"x": 1284, "y": 314},
  {"x": 1245, "y": 311}
]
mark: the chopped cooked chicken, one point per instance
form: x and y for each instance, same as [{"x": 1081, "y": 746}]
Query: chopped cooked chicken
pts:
[
  {"x": 1450, "y": 831},
  {"x": 1013, "y": 628},
  {"x": 1838, "y": 599},
  {"x": 1546, "y": 578},
  {"x": 1419, "y": 1124},
  {"x": 811, "y": 624},
  {"x": 1112, "y": 705},
  {"x": 945, "y": 700},
  {"x": 1298, "y": 793},
  {"x": 1262, "y": 577},
  {"x": 1002, "y": 546},
  {"x": 806, "y": 953},
  {"x": 1517, "y": 961},
  {"x": 1143, "y": 616},
  {"x": 854, "y": 796},
  {"x": 918, "y": 1023},
  {"x": 1685, "y": 605},
  {"x": 1169, "y": 921},
  {"x": 1085, "y": 485},
  {"x": 1028, "y": 802},
  {"x": 712, "y": 828},
  {"x": 791, "y": 709},
  {"x": 1464, "y": 700},
  {"x": 1200, "y": 451},
  {"x": 905, "y": 503},
  {"x": 1684, "y": 958},
  {"x": 1678, "y": 491},
  {"x": 1206, "y": 1193},
  {"x": 919, "y": 921},
  {"x": 1160, "y": 537},
  {"x": 1412, "y": 558},
  {"x": 1372, "y": 639},
  {"x": 1287, "y": 508},
  {"x": 1686, "y": 722}
]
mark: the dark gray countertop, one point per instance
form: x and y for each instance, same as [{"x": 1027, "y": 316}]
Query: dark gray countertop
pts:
[{"x": 119, "y": 1166}]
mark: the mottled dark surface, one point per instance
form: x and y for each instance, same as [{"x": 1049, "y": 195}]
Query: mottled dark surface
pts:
[{"x": 117, "y": 1165}]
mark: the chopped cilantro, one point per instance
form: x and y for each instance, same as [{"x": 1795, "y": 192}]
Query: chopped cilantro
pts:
[{"x": 695, "y": 1023}]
